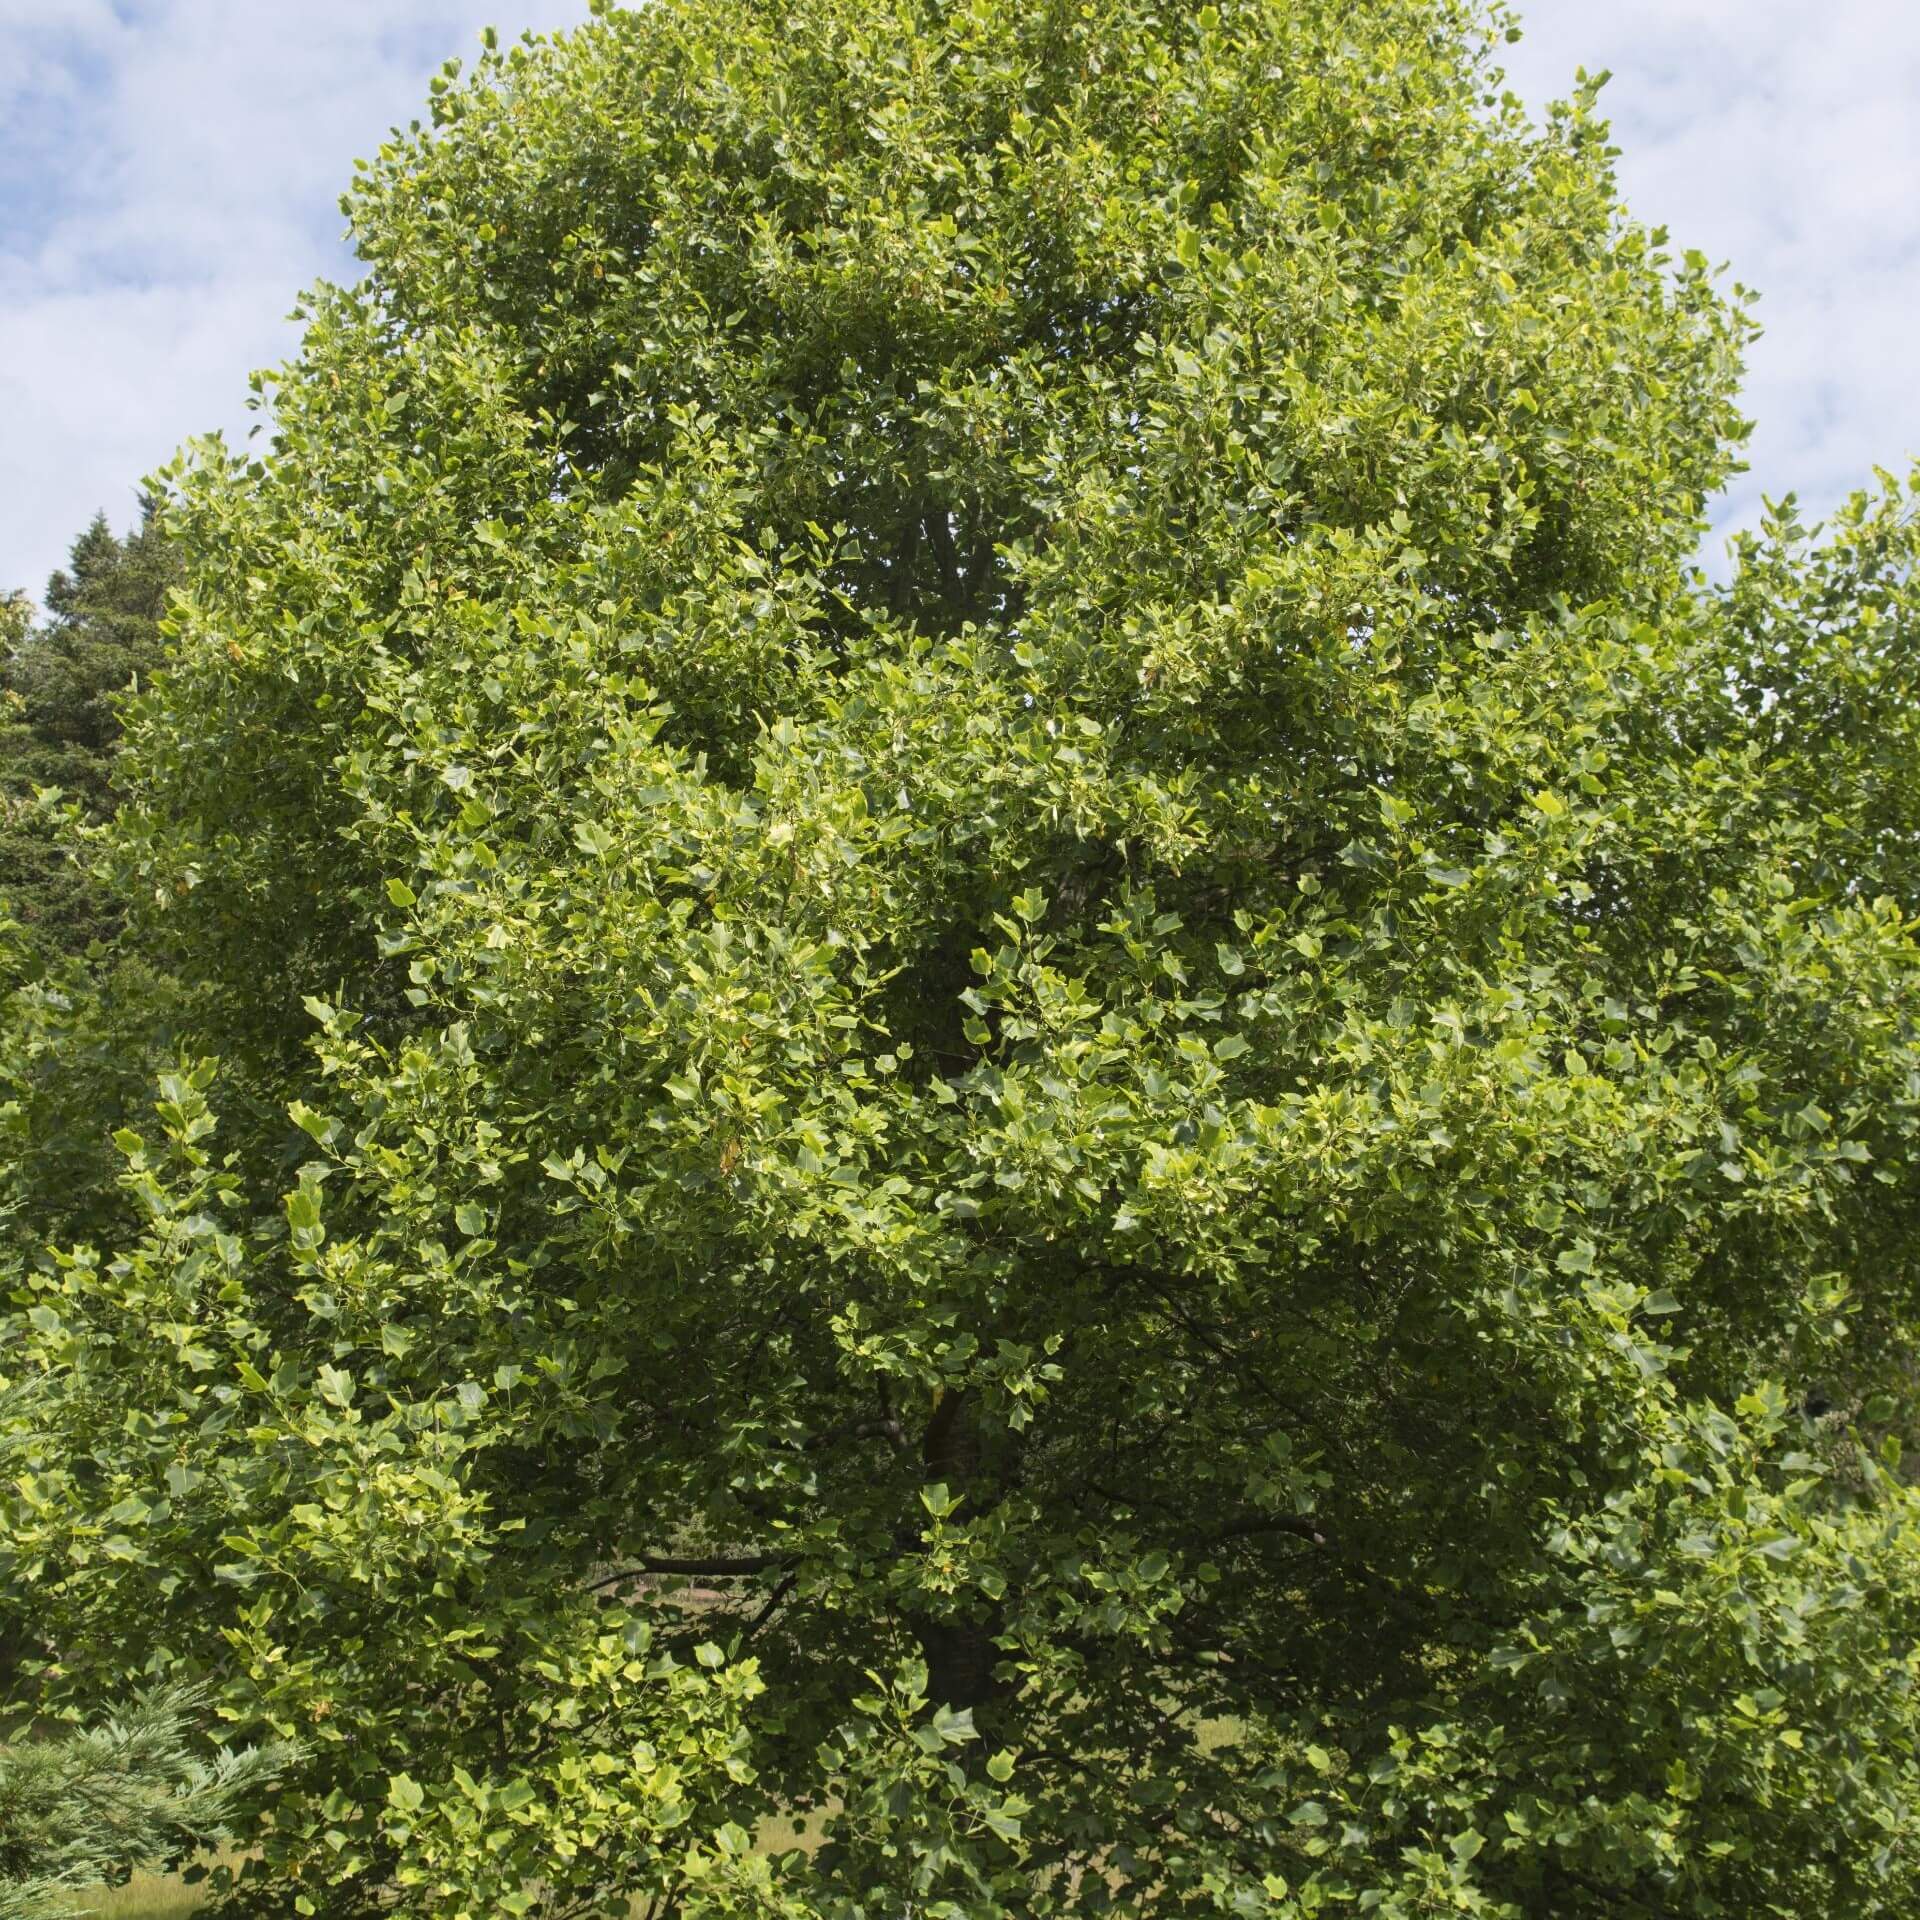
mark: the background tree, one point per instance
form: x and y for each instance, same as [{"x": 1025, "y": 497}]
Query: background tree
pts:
[
  {"x": 61, "y": 682},
  {"x": 972, "y": 859},
  {"x": 16, "y": 620},
  {"x": 84, "y": 1019},
  {"x": 80, "y": 1809}
]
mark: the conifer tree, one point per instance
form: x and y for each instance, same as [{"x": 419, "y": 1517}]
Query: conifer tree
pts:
[
  {"x": 138, "y": 1791},
  {"x": 61, "y": 682}
]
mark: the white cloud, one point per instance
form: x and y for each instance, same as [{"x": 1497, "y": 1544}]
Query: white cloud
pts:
[
  {"x": 171, "y": 170},
  {"x": 1784, "y": 139}
]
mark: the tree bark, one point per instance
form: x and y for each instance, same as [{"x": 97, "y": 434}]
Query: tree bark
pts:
[{"x": 959, "y": 1653}]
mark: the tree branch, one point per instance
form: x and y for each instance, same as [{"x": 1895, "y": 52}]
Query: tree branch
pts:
[
  {"x": 773, "y": 1600},
  {"x": 725, "y": 1567},
  {"x": 1291, "y": 1523}
]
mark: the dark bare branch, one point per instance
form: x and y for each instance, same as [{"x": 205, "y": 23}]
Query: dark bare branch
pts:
[{"x": 725, "y": 1567}]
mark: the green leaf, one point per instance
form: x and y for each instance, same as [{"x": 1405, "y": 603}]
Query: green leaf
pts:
[
  {"x": 954, "y": 1725},
  {"x": 1003, "y": 1822}
]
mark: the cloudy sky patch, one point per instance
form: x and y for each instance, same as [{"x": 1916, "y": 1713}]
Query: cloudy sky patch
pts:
[
  {"x": 1785, "y": 139},
  {"x": 170, "y": 172}
]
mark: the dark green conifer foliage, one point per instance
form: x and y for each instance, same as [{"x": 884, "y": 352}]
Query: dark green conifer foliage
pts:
[
  {"x": 1030, "y": 1037},
  {"x": 80, "y": 1014},
  {"x": 61, "y": 684}
]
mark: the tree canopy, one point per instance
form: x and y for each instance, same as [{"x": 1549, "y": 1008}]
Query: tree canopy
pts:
[
  {"x": 61, "y": 681},
  {"x": 1012, "y": 1026}
]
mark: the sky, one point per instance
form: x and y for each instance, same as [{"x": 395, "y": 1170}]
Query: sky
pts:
[{"x": 170, "y": 172}]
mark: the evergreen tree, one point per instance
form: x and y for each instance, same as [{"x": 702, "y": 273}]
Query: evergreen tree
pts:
[
  {"x": 78, "y": 1026},
  {"x": 61, "y": 683},
  {"x": 1032, "y": 1038},
  {"x": 80, "y": 1809}
]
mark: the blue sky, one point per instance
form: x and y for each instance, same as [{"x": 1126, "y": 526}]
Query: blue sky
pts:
[{"x": 169, "y": 171}]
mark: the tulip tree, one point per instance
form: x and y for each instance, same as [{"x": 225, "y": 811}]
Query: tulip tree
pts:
[{"x": 1027, "y": 1076}]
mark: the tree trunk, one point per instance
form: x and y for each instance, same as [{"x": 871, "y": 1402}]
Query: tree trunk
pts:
[{"x": 959, "y": 1653}]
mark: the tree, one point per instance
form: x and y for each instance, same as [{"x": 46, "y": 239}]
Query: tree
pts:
[
  {"x": 1074, "y": 1071},
  {"x": 60, "y": 687},
  {"x": 98, "y": 1805},
  {"x": 16, "y": 620},
  {"x": 83, "y": 1021}
]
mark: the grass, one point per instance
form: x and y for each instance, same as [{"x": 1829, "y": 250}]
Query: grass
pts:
[
  {"x": 147, "y": 1896},
  {"x": 161, "y": 1896}
]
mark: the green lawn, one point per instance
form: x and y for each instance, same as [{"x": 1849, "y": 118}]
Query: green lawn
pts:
[
  {"x": 153, "y": 1896},
  {"x": 147, "y": 1896}
]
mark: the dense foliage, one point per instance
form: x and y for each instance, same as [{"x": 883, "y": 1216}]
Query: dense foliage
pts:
[
  {"x": 1029, "y": 1040},
  {"x": 84, "y": 1023},
  {"x": 61, "y": 682}
]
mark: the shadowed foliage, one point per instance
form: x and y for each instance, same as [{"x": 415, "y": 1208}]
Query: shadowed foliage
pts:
[{"x": 61, "y": 682}]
